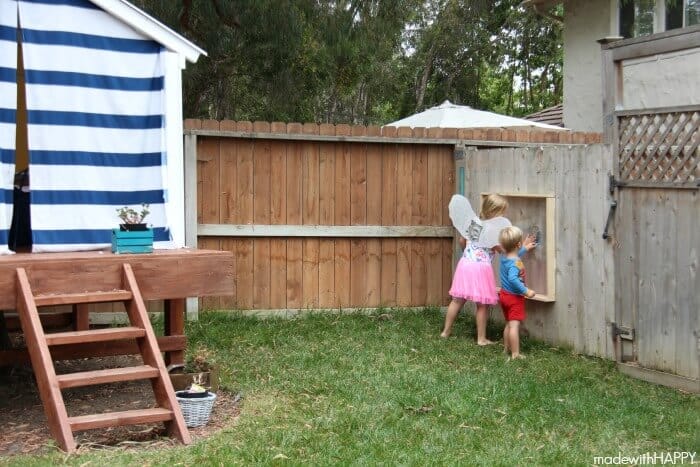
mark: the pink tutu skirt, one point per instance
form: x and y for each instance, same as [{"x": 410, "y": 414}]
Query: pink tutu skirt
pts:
[{"x": 474, "y": 281}]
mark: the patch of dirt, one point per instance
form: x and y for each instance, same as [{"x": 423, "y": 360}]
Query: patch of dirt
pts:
[{"x": 25, "y": 430}]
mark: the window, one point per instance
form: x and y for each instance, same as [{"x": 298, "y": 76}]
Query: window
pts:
[
  {"x": 639, "y": 17},
  {"x": 692, "y": 12}
]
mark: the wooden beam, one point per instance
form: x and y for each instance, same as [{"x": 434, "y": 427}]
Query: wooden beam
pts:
[
  {"x": 551, "y": 251},
  {"x": 97, "y": 349},
  {"x": 323, "y": 231},
  {"x": 664, "y": 42},
  {"x": 44, "y": 372},
  {"x": 163, "y": 274},
  {"x": 658, "y": 110},
  {"x": 174, "y": 323},
  {"x": 48, "y": 320},
  {"x": 370, "y": 139},
  {"x": 191, "y": 190},
  {"x": 660, "y": 377}
]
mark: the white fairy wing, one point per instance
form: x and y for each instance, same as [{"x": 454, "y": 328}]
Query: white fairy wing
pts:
[
  {"x": 492, "y": 228},
  {"x": 463, "y": 216}
]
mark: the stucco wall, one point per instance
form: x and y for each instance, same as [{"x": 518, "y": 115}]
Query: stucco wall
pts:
[
  {"x": 585, "y": 22},
  {"x": 662, "y": 80}
]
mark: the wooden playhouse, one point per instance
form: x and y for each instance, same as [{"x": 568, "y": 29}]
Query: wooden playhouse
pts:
[{"x": 90, "y": 108}]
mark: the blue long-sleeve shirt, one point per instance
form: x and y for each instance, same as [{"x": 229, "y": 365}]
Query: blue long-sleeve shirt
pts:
[{"x": 512, "y": 273}]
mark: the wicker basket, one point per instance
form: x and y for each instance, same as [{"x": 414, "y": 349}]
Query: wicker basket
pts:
[{"x": 196, "y": 410}]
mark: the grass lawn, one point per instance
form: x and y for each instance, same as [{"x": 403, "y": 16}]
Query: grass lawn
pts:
[{"x": 385, "y": 389}]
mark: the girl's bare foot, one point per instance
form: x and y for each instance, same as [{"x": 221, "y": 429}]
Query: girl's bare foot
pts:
[
  {"x": 444, "y": 335},
  {"x": 484, "y": 342},
  {"x": 518, "y": 356}
]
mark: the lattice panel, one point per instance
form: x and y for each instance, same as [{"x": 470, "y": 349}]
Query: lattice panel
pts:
[{"x": 660, "y": 148}]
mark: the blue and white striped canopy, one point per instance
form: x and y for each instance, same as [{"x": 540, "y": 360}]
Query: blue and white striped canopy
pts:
[{"x": 95, "y": 115}]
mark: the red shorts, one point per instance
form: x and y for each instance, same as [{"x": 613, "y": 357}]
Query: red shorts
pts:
[{"x": 513, "y": 306}]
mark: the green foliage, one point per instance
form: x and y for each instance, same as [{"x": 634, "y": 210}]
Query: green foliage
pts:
[
  {"x": 132, "y": 216},
  {"x": 362, "y": 61}
]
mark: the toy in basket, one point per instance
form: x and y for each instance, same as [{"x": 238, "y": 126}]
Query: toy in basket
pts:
[{"x": 196, "y": 404}]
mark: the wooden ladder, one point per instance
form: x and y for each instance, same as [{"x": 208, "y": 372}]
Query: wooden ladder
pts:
[{"x": 50, "y": 385}]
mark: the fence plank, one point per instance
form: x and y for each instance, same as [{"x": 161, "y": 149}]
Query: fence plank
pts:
[
  {"x": 310, "y": 278},
  {"x": 208, "y": 170},
  {"x": 294, "y": 217},
  {"x": 374, "y": 217},
  {"x": 688, "y": 318},
  {"x": 342, "y": 216},
  {"x": 228, "y": 172},
  {"x": 358, "y": 216},
  {"x": 206, "y": 303},
  {"x": 388, "y": 217},
  {"x": 404, "y": 192},
  {"x": 278, "y": 216},
  {"x": 326, "y": 265},
  {"x": 244, "y": 200},
  {"x": 310, "y": 215},
  {"x": 229, "y": 302},
  {"x": 294, "y": 273},
  {"x": 261, "y": 215}
]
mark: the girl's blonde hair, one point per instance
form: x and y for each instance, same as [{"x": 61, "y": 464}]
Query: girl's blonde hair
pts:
[{"x": 492, "y": 205}]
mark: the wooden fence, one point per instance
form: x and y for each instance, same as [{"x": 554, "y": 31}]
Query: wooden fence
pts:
[
  {"x": 315, "y": 224},
  {"x": 324, "y": 216},
  {"x": 656, "y": 181},
  {"x": 577, "y": 179}
]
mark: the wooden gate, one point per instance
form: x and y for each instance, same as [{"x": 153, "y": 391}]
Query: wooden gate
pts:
[{"x": 655, "y": 182}]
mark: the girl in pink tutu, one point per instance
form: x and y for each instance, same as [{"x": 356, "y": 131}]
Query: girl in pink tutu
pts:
[{"x": 473, "y": 278}]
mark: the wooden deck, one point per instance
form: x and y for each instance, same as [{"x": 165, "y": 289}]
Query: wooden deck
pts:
[{"x": 168, "y": 275}]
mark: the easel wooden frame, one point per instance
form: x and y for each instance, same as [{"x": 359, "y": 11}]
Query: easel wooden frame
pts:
[{"x": 550, "y": 246}]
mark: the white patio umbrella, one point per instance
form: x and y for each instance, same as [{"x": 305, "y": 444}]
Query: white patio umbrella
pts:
[{"x": 449, "y": 115}]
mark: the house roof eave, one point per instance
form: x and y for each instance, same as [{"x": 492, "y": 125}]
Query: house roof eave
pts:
[{"x": 152, "y": 28}]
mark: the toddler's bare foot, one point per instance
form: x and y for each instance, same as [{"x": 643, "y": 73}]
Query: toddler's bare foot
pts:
[
  {"x": 484, "y": 342},
  {"x": 518, "y": 356},
  {"x": 444, "y": 335}
]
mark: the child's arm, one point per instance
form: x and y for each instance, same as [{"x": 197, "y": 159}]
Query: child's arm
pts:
[
  {"x": 462, "y": 242},
  {"x": 528, "y": 245},
  {"x": 516, "y": 284}
]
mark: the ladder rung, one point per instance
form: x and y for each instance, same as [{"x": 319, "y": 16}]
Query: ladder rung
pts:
[
  {"x": 128, "y": 417},
  {"x": 112, "y": 375},
  {"x": 83, "y": 297},
  {"x": 96, "y": 335}
]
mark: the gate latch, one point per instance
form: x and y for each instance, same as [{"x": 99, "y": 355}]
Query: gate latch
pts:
[
  {"x": 613, "y": 207},
  {"x": 623, "y": 331}
]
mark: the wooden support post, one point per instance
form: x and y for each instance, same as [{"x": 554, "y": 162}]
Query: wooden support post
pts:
[
  {"x": 174, "y": 323},
  {"x": 81, "y": 317}
]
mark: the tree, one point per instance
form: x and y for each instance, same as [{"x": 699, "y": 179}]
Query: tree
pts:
[{"x": 362, "y": 61}]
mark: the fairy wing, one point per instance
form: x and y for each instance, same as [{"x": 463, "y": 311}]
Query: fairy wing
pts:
[
  {"x": 492, "y": 228},
  {"x": 463, "y": 217}
]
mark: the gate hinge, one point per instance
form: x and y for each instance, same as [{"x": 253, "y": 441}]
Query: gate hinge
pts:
[
  {"x": 614, "y": 183},
  {"x": 623, "y": 331}
]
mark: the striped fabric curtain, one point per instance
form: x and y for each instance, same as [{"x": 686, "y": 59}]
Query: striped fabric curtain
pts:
[
  {"x": 8, "y": 113},
  {"x": 95, "y": 112}
]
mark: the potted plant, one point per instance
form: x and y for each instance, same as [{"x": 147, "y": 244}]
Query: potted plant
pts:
[
  {"x": 199, "y": 368},
  {"x": 133, "y": 235},
  {"x": 132, "y": 220},
  {"x": 195, "y": 387}
]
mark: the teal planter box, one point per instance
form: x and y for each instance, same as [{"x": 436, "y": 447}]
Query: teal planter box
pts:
[{"x": 138, "y": 241}]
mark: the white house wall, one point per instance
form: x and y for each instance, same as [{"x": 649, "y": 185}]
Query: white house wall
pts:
[
  {"x": 175, "y": 176},
  {"x": 585, "y": 23},
  {"x": 662, "y": 80}
]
